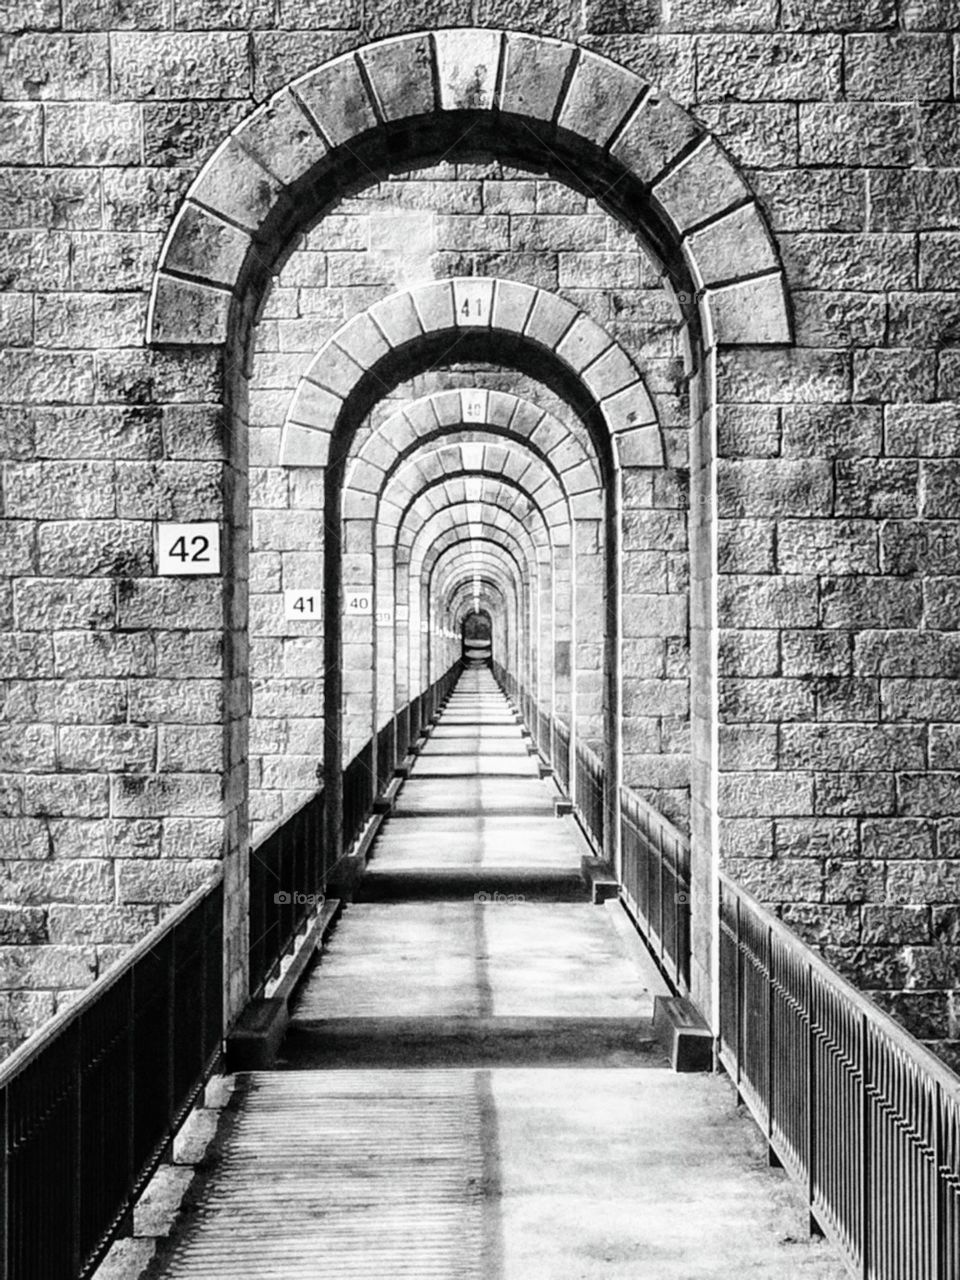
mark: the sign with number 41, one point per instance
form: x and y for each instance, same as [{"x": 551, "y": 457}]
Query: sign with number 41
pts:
[{"x": 188, "y": 549}]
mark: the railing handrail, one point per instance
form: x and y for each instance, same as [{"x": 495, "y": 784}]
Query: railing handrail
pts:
[
  {"x": 654, "y": 815},
  {"x": 274, "y": 827},
  {"x": 948, "y": 1080},
  {"x": 25, "y": 1053}
]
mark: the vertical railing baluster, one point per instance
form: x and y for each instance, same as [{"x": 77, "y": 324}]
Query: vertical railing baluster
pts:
[
  {"x": 864, "y": 1187},
  {"x": 76, "y": 1151},
  {"x": 6, "y": 1270},
  {"x": 811, "y": 1101}
]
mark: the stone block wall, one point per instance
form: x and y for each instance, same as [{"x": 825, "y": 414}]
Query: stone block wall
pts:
[{"x": 836, "y": 489}]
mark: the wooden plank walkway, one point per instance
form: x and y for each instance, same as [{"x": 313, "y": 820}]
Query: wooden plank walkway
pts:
[{"x": 470, "y": 1087}]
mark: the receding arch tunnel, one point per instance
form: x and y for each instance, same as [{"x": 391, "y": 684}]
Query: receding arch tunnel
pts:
[{"x": 601, "y": 453}]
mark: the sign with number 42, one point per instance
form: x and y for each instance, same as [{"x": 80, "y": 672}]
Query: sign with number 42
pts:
[{"x": 188, "y": 549}]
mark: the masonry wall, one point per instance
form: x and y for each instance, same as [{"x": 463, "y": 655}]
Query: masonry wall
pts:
[{"x": 836, "y": 485}]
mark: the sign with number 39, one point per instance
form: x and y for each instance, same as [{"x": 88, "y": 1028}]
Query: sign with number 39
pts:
[{"x": 188, "y": 549}]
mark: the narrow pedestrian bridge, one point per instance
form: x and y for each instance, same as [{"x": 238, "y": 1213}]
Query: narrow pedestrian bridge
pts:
[
  {"x": 470, "y": 1085},
  {"x": 473, "y": 790}
]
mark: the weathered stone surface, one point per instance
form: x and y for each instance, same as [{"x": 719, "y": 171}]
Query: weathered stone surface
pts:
[
  {"x": 180, "y": 64},
  {"x": 898, "y": 66},
  {"x": 769, "y": 67}
]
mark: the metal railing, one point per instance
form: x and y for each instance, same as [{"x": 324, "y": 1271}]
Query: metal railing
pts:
[
  {"x": 589, "y": 792},
  {"x": 851, "y": 1104},
  {"x": 656, "y": 855},
  {"x": 655, "y": 874},
  {"x": 91, "y": 1102},
  {"x": 287, "y": 870},
  {"x": 358, "y": 792},
  {"x": 386, "y": 753},
  {"x": 561, "y": 754}
]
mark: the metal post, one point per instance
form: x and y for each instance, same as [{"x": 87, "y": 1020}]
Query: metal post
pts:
[{"x": 864, "y": 1162}]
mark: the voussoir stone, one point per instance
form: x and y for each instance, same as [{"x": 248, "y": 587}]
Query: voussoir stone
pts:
[{"x": 600, "y": 95}]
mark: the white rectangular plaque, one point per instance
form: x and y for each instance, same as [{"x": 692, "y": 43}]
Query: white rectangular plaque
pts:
[
  {"x": 187, "y": 549},
  {"x": 303, "y": 604},
  {"x": 356, "y": 604}
]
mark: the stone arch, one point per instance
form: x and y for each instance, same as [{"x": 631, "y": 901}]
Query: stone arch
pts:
[
  {"x": 512, "y": 419},
  {"x": 525, "y": 98},
  {"x": 517, "y": 92},
  {"x": 431, "y": 315}
]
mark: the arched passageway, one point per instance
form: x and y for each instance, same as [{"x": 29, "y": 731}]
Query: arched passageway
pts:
[{"x": 586, "y": 507}]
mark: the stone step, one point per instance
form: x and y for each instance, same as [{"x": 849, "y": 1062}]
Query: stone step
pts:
[
  {"x": 481, "y": 885},
  {"x": 430, "y": 1042}
]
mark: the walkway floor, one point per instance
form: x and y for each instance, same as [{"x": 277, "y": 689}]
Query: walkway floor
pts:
[{"x": 470, "y": 1087}]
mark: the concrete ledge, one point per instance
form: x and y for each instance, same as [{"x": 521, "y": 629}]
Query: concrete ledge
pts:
[
  {"x": 685, "y": 1037},
  {"x": 562, "y": 807},
  {"x": 598, "y": 876},
  {"x": 465, "y": 1042},
  {"x": 468, "y": 883},
  {"x": 387, "y": 802},
  {"x": 256, "y": 1037},
  {"x": 254, "y": 1041},
  {"x": 544, "y": 770}
]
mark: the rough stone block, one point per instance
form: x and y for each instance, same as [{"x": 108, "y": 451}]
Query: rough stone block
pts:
[
  {"x": 897, "y": 66},
  {"x": 894, "y": 375},
  {"x": 849, "y": 262},
  {"x": 163, "y": 881},
  {"x": 337, "y": 99},
  {"x": 397, "y": 318},
  {"x": 534, "y": 74},
  {"x": 767, "y": 700},
  {"x": 749, "y": 600},
  {"x": 854, "y": 794},
  {"x": 745, "y": 546},
  {"x": 283, "y": 139},
  {"x": 656, "y": 133},
  {"x": 48, "y": 604},
  {"x": 468, "y": 61},
  {"x": 402, "y": 76},
  {"x": 905, "y": 653},
  {"x": 62, "y": 68},
  {"x": 827, "y": 546},
  {"x": 815, "y": 837},
  {"x": 703, "y": 185},
  {"x": 181, "y": 64},
  {"x": 21, "y": 133},
  {"x": 95, "y": 134},
  {"x": 734, "y": 245},
  {"x": 236, "y": 186},
  {"x": 774, "y": 487},
  {"x": 852, "y": 748},
  {"x": 756, "y": 134},
  {"x": 792, "y": 376},
  {"x": 599, "y": 96},
  {"x": 769, "y": 68},
  {"x": 750, "y": 312},
  {"x": 764, "y": 794}
]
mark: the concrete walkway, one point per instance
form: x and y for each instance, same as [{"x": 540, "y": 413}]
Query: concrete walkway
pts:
[{"x": 470, "y": 1087}]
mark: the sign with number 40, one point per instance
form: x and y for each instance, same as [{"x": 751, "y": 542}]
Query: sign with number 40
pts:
[{"x": 188, "y": 549}]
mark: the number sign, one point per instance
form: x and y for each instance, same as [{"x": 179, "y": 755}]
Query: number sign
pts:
[
  {"x": 303, "y": 604},
  {"x": 187, "y": 549}
]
